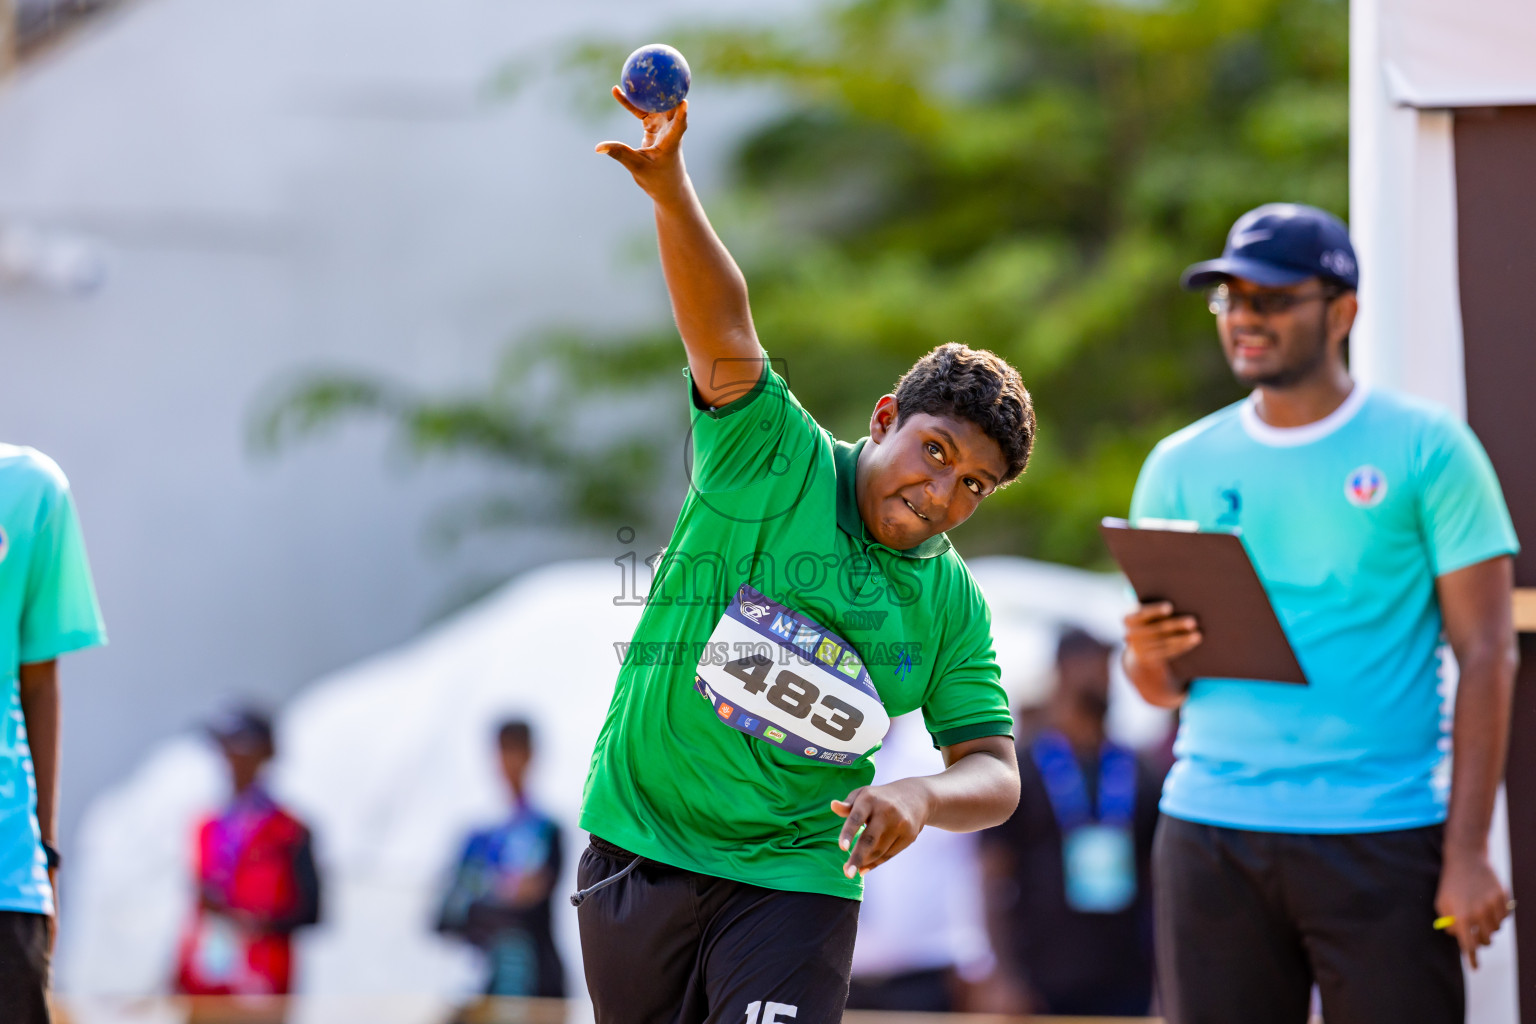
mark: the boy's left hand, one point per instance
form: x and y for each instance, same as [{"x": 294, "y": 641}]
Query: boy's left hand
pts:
[{"x": 891, "y": 816}]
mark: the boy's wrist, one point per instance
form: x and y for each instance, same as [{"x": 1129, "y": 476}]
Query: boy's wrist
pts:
[
  {"x": 927, "y": 795},
  {"x": 672, "y": 192}
]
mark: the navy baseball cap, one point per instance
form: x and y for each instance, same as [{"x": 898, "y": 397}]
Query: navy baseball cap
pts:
[{"x": 1281, "y": 244}]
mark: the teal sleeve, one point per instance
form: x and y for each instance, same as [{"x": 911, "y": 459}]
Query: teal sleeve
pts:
[
  {"x": 756, "y": 435},
  {"x": 1465, "y": 520},
  {"x": 1155, "y": 495},
  {"x": 966, "y": 699},
  {"x": 61, "y": 613}
]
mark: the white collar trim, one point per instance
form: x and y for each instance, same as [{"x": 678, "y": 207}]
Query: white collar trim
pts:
[{"x": 1291, "y": 437}]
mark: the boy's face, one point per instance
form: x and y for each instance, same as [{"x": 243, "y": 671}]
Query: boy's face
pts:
[{"x": 924, "y": 477}]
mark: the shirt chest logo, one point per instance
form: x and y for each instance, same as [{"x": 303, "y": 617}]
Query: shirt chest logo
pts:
[
  {"x": 1366, "y": 487},
  {"x": 1230, "y": 500}
]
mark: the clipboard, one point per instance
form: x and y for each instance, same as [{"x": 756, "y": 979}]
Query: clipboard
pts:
[{"x": 1209, "y": 576}]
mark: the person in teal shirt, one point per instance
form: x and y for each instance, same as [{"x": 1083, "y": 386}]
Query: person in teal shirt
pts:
[
  {"x": 1313, "y": 834},
  {"x": 47, "y": 608}
]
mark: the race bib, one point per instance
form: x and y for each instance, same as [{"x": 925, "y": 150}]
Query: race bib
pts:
[
  {"x": 775, "y": 674},
  {"x": 1100, "y": 867}
]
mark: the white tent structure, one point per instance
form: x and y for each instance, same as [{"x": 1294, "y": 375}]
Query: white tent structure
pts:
[
  {"x": 391, "y": 762},
  {"x": 1417, "y": 66}
]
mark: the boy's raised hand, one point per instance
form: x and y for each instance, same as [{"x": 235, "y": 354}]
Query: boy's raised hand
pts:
[{"x": 657, "y": 166}]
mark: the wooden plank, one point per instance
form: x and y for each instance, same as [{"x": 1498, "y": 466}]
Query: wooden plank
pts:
[{"x": 1525, "y": 609}]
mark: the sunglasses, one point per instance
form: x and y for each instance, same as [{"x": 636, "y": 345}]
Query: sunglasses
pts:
[{"x": 1221, "y": 300}]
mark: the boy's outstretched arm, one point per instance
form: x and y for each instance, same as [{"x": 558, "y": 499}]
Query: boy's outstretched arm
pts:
[
  {"x": 978, "y": 789},
  {"x": 708, "y": 291}
]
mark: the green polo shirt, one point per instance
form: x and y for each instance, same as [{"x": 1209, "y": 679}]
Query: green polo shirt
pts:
[{"x": 772, "y": 505}]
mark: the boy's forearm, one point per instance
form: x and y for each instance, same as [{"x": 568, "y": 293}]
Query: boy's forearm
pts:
[
  {"x": 39, "y": 692},
  {"x": 709, "y": 296},
  {"x": 979, "y": 789}
]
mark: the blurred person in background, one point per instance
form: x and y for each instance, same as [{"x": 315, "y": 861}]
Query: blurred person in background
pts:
[
  {"x": 1069, "y": 875},
  {"x": 499, "y": 899},
  {"x": 256, "y": 877},
  {"x": 47, "y": 608},
  {"x": 922, "y": 931}
]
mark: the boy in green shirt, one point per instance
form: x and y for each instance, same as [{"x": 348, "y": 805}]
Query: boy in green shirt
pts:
[{"x": 807, "y": 596}]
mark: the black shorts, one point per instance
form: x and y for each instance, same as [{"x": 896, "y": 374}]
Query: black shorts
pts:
[
  {"x": 1248, "y": 922},
  {"x": 24, "y": 964},
  {"x": 668, "y": 946}
]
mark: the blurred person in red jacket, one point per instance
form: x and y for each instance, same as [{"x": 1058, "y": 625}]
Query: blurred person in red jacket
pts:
[{"x": 256, "y": 877}]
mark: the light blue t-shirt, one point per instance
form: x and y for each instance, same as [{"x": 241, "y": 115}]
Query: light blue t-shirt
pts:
[
  {"x": 1348, "y": 521},
  {"x": 47, "y": 608}
]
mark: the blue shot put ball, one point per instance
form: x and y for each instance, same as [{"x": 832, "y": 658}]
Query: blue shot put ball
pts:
[{"x": 655, "y": 78}]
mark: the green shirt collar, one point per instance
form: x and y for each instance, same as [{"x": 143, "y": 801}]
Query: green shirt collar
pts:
[{"x": 846, "y": 457}]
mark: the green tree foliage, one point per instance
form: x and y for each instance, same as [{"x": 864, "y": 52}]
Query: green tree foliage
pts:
[{"x": 1027, "y": 176}]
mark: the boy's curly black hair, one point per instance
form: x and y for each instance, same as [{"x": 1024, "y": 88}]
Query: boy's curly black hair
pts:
[{"x": 976, "y": 385}]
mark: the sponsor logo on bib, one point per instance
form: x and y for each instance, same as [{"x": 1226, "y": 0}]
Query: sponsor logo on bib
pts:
[
  {"x": 828, "y": 652},
  {"x": 807, "y": 638},
  {"x": 755, "y": 612},
  {"x": 789, "y": 680},
  {"x": 1366, "y": 487}
]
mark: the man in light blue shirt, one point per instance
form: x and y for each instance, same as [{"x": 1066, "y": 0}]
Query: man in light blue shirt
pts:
[
  {"x": 47, "y": 608},
  {"x": 1313, "y": 834}
]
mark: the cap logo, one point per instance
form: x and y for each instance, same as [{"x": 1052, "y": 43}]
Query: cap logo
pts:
[
  {"x": 1248, "y": 238},
  {"x": 1366, "y": 487},
  {"x": 1338, "y": 261}
]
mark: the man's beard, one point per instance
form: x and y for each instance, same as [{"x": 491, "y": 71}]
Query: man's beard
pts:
[{"x": 1290, "y": 376}]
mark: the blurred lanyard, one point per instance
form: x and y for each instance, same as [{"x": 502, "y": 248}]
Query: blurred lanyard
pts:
[
  {"x": 1068, "y": 792},
  {"x": 1098, "y": 856}
]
